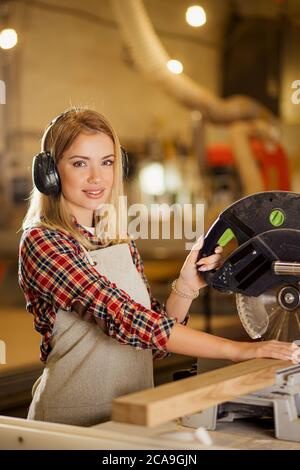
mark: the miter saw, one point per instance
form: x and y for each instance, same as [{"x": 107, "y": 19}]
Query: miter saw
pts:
[{"x": 264, "y": 273}]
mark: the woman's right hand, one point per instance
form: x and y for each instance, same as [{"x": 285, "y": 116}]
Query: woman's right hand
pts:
[{"x": 268, "y": 349}]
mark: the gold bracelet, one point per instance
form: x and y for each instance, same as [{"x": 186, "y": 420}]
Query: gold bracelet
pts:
[{"x": 183, "y": 294}]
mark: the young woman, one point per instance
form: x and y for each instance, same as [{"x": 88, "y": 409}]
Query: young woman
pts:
[{"x": 88, "y": 293}]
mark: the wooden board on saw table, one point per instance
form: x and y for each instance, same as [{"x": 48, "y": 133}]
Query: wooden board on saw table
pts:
[{"x": 158, "y": 405}]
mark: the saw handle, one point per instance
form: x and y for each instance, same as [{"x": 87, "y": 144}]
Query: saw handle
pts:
[{"x": 210, "y": 244}]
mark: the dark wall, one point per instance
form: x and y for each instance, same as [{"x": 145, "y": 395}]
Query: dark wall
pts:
[{"x": 252, "y": 57}]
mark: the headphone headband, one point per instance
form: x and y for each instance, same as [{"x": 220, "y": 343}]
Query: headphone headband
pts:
[{"x": 54, "y": 121}]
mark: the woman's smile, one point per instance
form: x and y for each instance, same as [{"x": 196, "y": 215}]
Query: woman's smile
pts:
[{"x": 94, "y": 194}]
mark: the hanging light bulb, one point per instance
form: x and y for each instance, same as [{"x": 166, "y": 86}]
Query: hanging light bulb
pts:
[
  {"x": 175, "y": 66},
  {"x": 8, "y": 38},
  {"x": 151, "y": 179},
  {"x": 195, "y": 16}
]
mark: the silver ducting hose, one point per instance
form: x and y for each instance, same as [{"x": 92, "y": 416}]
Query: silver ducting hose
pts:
[{"x": 150, "y": 58}]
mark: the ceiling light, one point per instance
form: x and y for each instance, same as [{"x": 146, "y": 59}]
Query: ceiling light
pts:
[
  {"x": 175, "y": 66},
  {"x": 195, "y": 16},
  {"x": 8, "y": 38}
]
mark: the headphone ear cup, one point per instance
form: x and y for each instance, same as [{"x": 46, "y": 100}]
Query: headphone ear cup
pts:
[
  {"x": 45, "y": 175},
  {"x": 125, "y": 162}
]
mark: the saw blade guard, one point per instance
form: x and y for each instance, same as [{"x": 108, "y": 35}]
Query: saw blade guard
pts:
[
  {"x": 273, "y": 315},
  {"x": 255, "y": 321}
]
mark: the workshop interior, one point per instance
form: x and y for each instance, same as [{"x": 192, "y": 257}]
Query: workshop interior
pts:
[{"x": 205, "y": 98}]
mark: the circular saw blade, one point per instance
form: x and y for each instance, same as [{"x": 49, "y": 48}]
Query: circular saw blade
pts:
[{"x": 264, "y": 317}]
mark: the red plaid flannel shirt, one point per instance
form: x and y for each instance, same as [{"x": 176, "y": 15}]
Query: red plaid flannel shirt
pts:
[{"x": 53, "y": 274}]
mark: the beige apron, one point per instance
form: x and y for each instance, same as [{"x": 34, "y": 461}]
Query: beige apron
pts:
[{"x": 86, "y": 369}]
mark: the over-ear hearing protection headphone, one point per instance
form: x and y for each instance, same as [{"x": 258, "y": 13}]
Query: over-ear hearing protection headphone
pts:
[{"x": 44, "y": 171}]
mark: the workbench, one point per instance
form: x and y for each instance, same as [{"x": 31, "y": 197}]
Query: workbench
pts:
[
  {"x": 16, "y": 433},
  {"x": 239, "y": 435}
]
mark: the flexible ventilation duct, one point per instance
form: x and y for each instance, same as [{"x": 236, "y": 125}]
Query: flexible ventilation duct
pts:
[{"x": 150, "y": 58}]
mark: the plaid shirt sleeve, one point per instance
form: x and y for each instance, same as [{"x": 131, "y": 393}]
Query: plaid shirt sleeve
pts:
[
  {"x": 53, "y": 274},
  {"x": 155, "y": 304}
]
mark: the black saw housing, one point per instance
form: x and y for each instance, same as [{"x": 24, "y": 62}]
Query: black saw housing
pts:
[{"x": 254, "y": 221}]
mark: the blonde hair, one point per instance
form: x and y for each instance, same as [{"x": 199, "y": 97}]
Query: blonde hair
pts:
[{"x": 51, "y": 211}]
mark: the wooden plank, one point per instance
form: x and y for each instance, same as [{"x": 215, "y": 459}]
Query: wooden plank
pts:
[{"x": 158, "y": 405}]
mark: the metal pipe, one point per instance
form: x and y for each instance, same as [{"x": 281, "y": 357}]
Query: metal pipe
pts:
[{"x": 291, "y": 268}]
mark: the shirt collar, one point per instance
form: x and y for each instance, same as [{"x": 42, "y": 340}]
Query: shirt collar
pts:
[{"x": 86, "y": 233}]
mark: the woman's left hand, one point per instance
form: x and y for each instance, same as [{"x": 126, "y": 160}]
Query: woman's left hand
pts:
[{"x": 189, "y": 273}]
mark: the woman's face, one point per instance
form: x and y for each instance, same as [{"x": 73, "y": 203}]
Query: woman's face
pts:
[{"x": 86, "y": 172}]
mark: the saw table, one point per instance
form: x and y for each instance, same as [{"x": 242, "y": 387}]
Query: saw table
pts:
[{"x": 16, "y": 433}]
